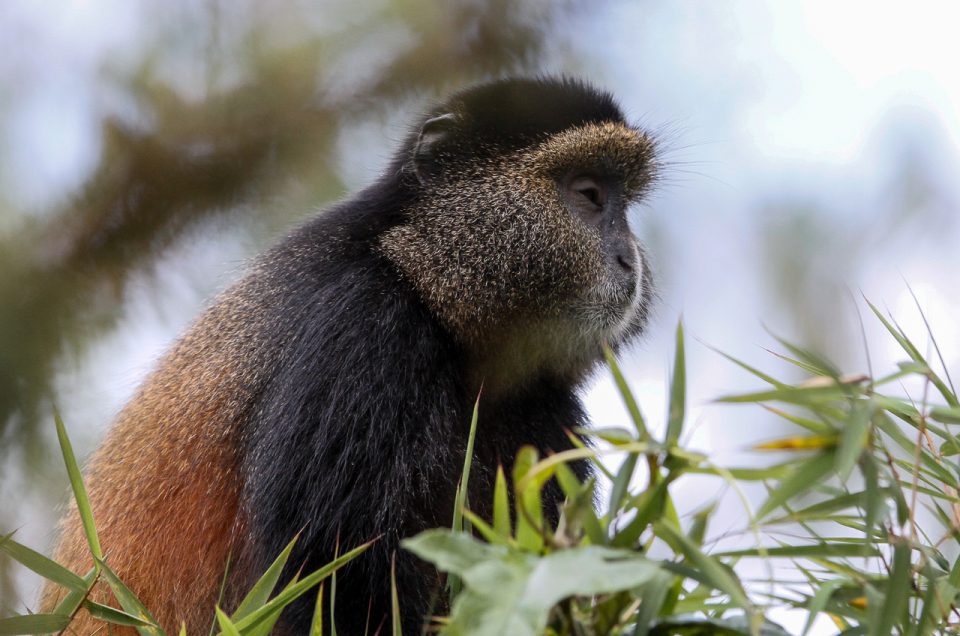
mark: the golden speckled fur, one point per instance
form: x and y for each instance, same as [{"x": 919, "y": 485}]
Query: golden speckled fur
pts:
[{"x": 524, "y": 255}]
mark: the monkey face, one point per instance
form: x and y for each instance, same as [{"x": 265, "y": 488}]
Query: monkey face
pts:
[
  {"x": 598, "y": 171},
  {"x": 517, "y": 236},
  {"x": 615, "y": 305}
]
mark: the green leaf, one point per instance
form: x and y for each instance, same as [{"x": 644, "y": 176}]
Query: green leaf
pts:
[
  {"x": 626, "y": 395},
  {"x": 650, "y": 506},
  {"x": 696, "y": 625},
  {"x": 875, "y": 496},
  {"x": 678, "y": 392},
  {"x": 824, "y": 591},
  {"x": 743, "y": 365},
  {"x": 129, "y": 602},
  {"x": 824, "y": 509},
  {"x": 898, "y": 590},
  {"x": 813, "y": 360},
  {"x": 113, "y": 615},
  {"x": 47, "y": 568},
  {"x": 501, "y": 506},
  {"x": 698, "y": 529},
  {"x": 485, "y": 529},
  {"x": 949, "y": 448},
  {"x": 528, "y": 504},
  {"x": 451, "y": 552},
  {"x": 292, "y": 592},
  {"x": 220, "y": 593},
  {"x": 316, "y": 625},
  {"x": 613, "y": 435},
  {"x": 890, "y": 428},
  {"x": 801, "y": 395},
  {"x": 508, "y": 591},
  {"x": 937, "y": 596},
  {"x": 711, "y": 570},
  {"x": 914, "y": 353},
  {"x": 806, "y": 475},
  {"x": 333, "y": 591},
  {"x": 33, "y": 624},
  {"x": 654, "y": 594},
  {"x": 814, "y": 426},
  {"x": 815, "y": 551},
  {"x": 72, "y": 601},
  {"x": 776, "y": 471},
  {"x": 946, "y": 414},
  {"x": 581, "y": 498},
  {"x": 79, "y": 491},
  {"x": 854, "y": 439},
  {"x": 227, "y": 627},
  {"x": 463, "y": 488},
  {"x": 261, "y": 590},
  {"x": 621, "y": 484}
]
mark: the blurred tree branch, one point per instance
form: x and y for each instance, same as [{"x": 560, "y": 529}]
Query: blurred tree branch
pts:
[{"x": 63, "y": 274}]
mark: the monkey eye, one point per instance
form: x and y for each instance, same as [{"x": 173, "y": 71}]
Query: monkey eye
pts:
[{"x": 590, "y": 190}]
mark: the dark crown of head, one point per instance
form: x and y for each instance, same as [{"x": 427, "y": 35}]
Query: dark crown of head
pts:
[{"x": 513, "y": 113}]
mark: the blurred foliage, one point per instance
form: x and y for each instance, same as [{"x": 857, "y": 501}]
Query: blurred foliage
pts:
[
  {"x": 65, "y": 271},
  {"x": 255, "y": 135}
]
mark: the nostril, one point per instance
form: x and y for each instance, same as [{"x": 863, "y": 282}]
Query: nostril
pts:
[{"x": 625, "y": 263}]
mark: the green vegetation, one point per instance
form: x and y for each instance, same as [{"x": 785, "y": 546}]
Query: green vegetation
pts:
[{"x": 861, "y": 523}]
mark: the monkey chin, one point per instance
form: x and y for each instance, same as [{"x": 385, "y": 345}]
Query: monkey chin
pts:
[{"x": 566, "y": 347}]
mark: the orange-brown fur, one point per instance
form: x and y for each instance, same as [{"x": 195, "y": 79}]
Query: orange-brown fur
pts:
[{"x": 164, "y": 484}]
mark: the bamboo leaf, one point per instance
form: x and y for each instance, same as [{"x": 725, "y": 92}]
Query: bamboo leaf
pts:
[
  {"x": 678, "y": 392},
  {"x": 296, "y": 590},
  {"x": 914, "y": 353},
  {"x": 47, "y": 568},
  {"x": 463, "y": 488},
  {"x": 129, "y": 602},
  {"x": 72, "y": 601},
  {"x": 79, "y": 490},
  {"x": 791, "y": 395},
  {"x": 113, "y": 615},
  {"x": 897, "y": 591},
  {"x": 621, "y": 484},
  {"x": 502, "y": 523},
  {"x": 626, "y": 395},
  {"x": 527, "y": 501},
  {"x": 227, "y": 626},
  {"x": 819, "y": 550},
  {"x": 261, "y": 590},
  {"x": 33, "y": 624},
  {"x": 854, "y": 439},
  {"x": 711, "y": 571},
  {"x": 819, "y": 601},
  {"x": 807, "y": 474},
  {"x": 316, "y": 625}
]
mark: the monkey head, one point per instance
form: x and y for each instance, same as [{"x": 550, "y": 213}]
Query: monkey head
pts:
[{"x": 516, "y": 236}]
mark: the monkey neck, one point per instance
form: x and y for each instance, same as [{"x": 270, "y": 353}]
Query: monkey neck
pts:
[{"x": 519, "y": 355}]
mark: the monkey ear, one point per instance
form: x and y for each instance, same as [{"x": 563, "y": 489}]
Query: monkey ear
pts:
[{"x": 426, "y": 151}]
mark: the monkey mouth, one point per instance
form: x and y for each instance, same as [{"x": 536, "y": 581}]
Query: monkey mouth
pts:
[
  {"x": 609, "y": 310},
  {"x": 616, "y": 309}
]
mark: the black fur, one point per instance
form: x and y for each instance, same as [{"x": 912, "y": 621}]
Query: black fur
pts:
[
  {"x": 514, "y": 113},
  {"x": 361, "y": 429}
]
